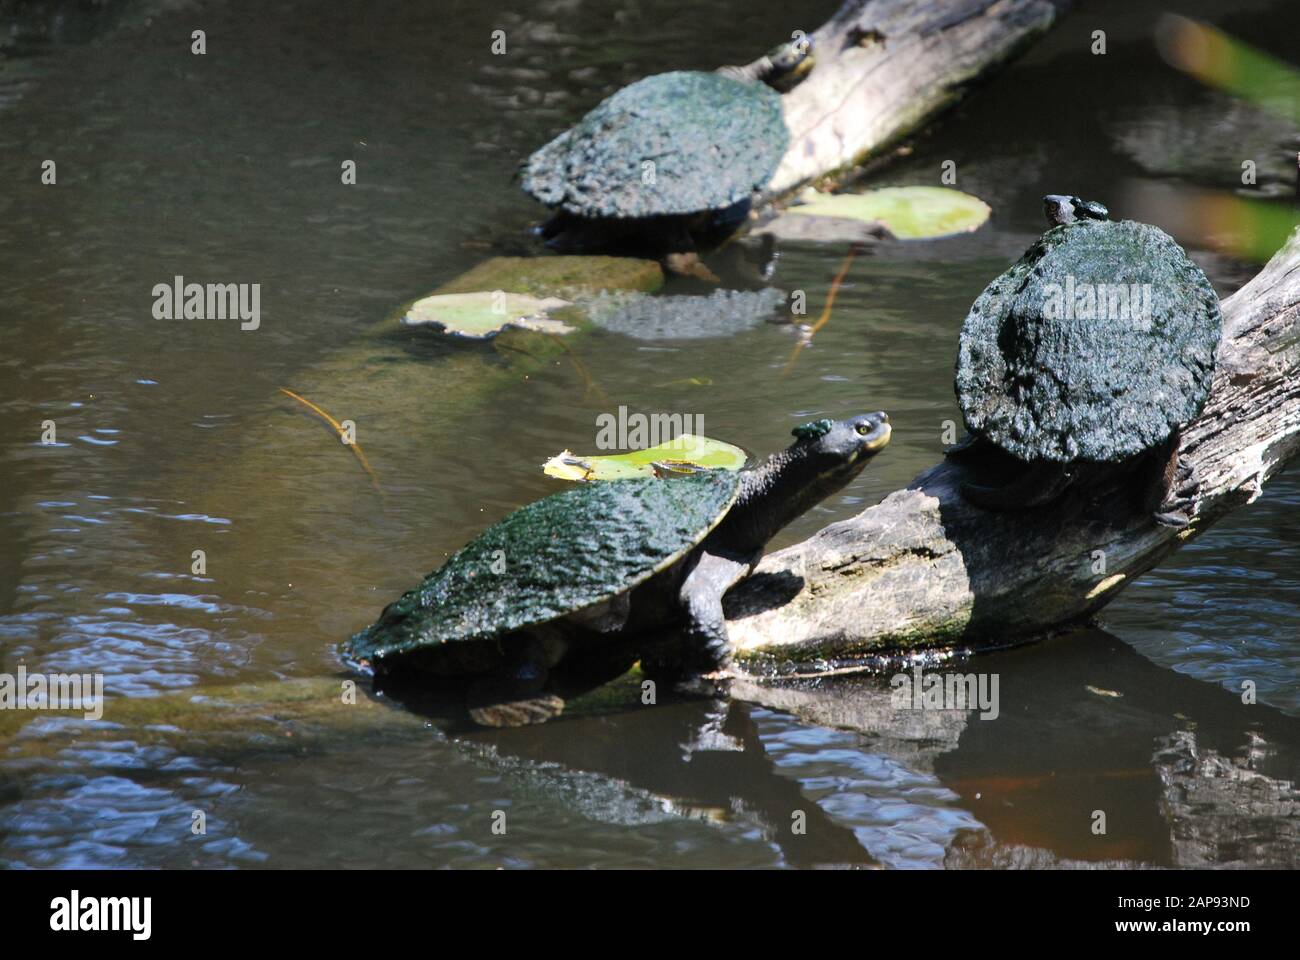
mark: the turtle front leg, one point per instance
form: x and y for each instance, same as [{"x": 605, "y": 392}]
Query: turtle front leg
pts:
[
  {"x": 707, "y": 648},
  {"x": 701, "y": 593}
]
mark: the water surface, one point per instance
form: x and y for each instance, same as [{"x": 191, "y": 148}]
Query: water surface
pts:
[{"x": 173, "y": 438}]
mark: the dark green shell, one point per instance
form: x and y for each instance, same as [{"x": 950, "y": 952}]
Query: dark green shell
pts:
[
  {"x": 713, "y": 141},
  {"x": 556, "y": 556},
  {"x": 1045, "y": 380}
]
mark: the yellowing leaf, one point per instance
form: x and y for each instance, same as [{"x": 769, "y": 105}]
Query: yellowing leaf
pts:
[
  {"x": 910, "y": 213},
  {"x": 686, "y": 454}
]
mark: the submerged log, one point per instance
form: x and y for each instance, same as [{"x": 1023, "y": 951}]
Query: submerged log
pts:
[
  {"x": 886, "y": 67},
  {"x": 926, "y": 568}
]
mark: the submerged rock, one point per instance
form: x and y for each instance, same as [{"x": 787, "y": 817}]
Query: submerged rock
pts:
[{"x": 563, "y": 277}]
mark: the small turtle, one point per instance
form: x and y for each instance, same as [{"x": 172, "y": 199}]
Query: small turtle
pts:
[
  {"x": 668, "y": 159},
  {"x": 561, "y": 578},
  {"x": 1061, "y": 209},
  {"x": 782, "y": 68},
  {"x": 1083, "y": 361}
]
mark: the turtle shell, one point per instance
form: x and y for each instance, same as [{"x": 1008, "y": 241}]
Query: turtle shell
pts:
[
  {"x": 674, "y": 143},
  {"x": 551, "y": 558},
  {"x": 1095, "y": 345}
]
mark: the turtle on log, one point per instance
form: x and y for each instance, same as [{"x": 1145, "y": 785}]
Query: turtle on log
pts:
[
  {"x": 562, "y": 578},
  {"x": 1079, "y": 365},
  {"x": 669, "y": 161}
]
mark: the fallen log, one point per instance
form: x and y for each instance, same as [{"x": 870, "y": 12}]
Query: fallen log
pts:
[
  {"x": 886, "y": 67},
  {"x": 925, "y": 568}
]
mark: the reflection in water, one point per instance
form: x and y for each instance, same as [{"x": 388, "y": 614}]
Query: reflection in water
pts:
[{"x": 171, "y": 439}]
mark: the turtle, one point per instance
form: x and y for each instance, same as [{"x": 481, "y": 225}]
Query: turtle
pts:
[
  {"x": 1080, "y": 365},
  {"x": 1060, "y": 209},
  {"x": 561, "y": 578},
  {"x": 668, "y": 159}
]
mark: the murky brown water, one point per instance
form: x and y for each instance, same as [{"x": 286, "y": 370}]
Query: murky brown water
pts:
[{"x": 173, "y": 438}]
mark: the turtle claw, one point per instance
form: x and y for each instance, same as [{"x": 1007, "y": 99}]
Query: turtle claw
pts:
[
  {"x": 690, "y": 668},
  {"x": 702, "y": 685},
  {"x": 1178, "y": 510},
  {"x": 1177, "y": 519}
]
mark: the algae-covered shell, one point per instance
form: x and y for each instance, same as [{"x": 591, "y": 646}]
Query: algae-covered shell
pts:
[
  {"x": 1095, "y": 345},
  {"x": 675, "y": 143},
  {"x": 551, "y": 558}
]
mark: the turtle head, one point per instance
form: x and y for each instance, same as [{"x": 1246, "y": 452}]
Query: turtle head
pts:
[
  {"x": 789, "y": 63},
  {"x": 824, "y": 457},
  {"x": 1061, "y": 209},
  {"x": 830, "y": 447}
]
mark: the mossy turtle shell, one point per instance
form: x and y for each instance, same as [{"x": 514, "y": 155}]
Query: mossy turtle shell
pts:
[
  {"x": 675, "y": 143},
  {"x": 1095, "y": 345},
  {"x": 553, "y": 557}
]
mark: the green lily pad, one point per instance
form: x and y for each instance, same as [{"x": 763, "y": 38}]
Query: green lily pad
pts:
[
  {"x": 485, "y": 313},
  {"x": 686, "y": 454},
  {"x": 910, "y": 213}
]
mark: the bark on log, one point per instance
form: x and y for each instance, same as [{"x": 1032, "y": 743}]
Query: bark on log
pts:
[
  {"x": 924, "y": 567},
  {"x": 885, "y": 67}
]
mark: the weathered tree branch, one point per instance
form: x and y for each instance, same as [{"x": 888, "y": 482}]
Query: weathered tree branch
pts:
[
  {"x": 924, "y": 567},
  {"x": 885, "y": 67}
]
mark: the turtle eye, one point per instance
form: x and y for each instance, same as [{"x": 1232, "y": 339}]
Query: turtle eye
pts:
[{"x": 863, "y": 429}]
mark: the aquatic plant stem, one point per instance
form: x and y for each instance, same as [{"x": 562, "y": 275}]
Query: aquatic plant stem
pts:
[
  {"x": 854, "y": 250},
  {"x": 338, "y": 428}
]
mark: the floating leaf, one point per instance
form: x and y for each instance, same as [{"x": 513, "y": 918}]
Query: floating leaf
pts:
[
  {"x": 485, "y": 313},
  {"x": 910, "y": 213},
  {"x": 789, "y": 228},
  {"x": 686, "y": 454}
]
